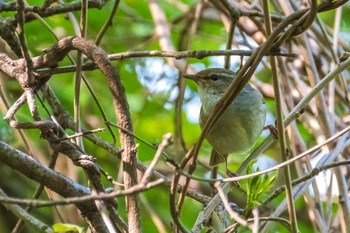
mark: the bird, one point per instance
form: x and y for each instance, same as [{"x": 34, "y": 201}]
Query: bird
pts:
[{"x": 238, "y": 128}]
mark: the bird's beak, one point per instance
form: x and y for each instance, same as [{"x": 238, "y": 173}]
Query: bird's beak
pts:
[{"x": 190, "y": 76}]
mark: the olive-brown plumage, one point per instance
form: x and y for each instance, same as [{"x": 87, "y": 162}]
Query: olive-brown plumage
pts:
[{"x": 239, "y": 127}]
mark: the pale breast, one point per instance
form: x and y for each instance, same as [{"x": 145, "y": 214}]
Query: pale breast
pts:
[{"x": 239, "y": 126}]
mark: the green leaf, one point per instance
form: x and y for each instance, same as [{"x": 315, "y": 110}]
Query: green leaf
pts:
[
  {"x": 257, "y": 186},
  {"x": 65, "y": 227}
]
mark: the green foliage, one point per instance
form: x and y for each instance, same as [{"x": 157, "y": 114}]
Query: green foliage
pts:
[
  {"x": 257, "y": 187},
  {"x": 66, "y": 228},
  {"x": 152, "y": 105}
]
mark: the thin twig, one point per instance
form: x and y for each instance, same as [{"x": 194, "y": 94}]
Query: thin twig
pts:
[
  {"x": 235, "y": 216},
  {"x": 280, "y": 125},
  {"x": 147, "y": 174},
  {"x": 194, "y": 25},
  {"x": 108, "y": 23},
  {"x": 289, "y": 161},
  {"x": 81, "y": 199}
]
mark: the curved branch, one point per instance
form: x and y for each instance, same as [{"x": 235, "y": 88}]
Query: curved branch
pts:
[
  {"x": 50, "y": 59},
  {"x": 54, "y": 181},
  {"x": 121, "y": 108}
]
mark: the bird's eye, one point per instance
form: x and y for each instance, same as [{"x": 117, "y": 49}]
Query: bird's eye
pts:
[{"x": 214, "y": 77}]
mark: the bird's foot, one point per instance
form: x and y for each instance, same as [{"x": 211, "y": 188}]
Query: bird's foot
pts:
[
  {"x": 229, "y": 173},
  {"x": 272, "y": 129}
]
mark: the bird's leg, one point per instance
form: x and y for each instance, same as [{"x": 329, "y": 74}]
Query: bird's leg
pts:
[
  {"x": 213, "y": 175},
  {"x": 214, "y": 172},
  {"x": 272, "y": 129},
  {"x": 229, "y": 173}
]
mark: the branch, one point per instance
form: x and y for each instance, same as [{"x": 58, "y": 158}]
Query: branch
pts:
[
  {"x": 50, "y": 59},
  {"x": 25, "y": 216},
  {"x": 121, "y": 108},
  {"x": 54, "y": 181}
]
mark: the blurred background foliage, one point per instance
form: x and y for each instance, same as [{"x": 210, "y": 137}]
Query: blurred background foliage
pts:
[{"x": 150, "y": 84}]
